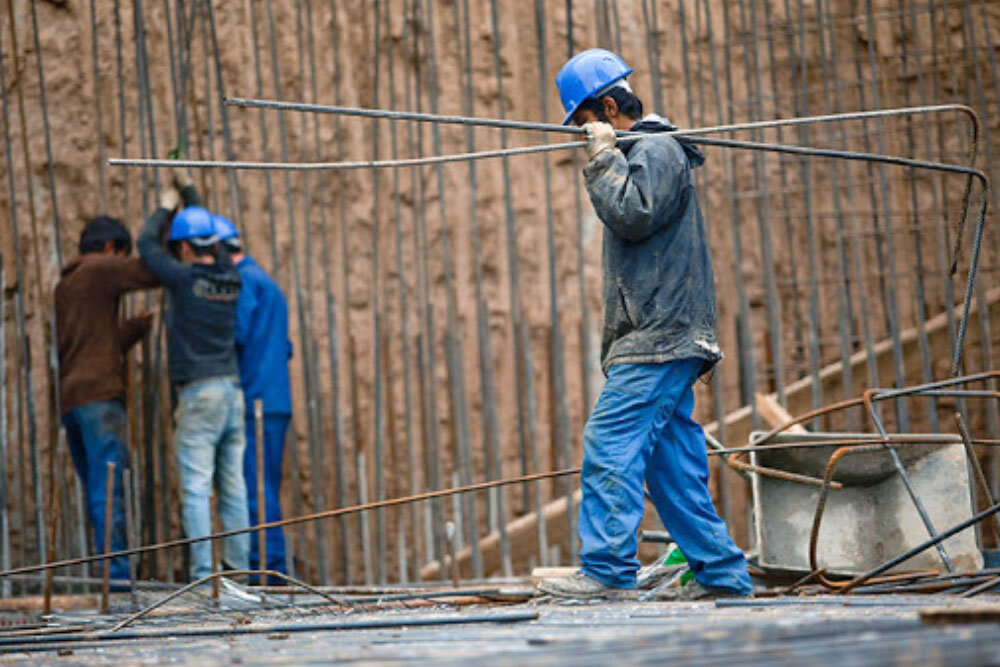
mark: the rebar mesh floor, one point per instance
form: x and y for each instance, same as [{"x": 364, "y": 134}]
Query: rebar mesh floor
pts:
[{"x": 844, "y": 630}]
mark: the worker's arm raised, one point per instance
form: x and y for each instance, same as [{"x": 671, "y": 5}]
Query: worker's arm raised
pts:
[
  {"x": 150, "y": 243},
  {"x": 635, "y": 197},
  {"x": 184, "y": 183}
]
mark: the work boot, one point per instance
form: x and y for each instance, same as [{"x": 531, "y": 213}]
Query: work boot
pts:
[
  {"x": 581, "y": 586},
  {"x": 693, "y": 591}
]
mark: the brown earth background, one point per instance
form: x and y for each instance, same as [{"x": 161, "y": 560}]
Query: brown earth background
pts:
[{"x": 815, "y": 259}]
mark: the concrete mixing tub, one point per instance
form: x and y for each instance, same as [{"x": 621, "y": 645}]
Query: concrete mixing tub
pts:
[{"x": 872, "y": 518}]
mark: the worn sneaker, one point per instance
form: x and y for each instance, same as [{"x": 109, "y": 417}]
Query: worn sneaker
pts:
[
  {"x": 694, "y": 591},
  {"x": 581, "y": 586}
]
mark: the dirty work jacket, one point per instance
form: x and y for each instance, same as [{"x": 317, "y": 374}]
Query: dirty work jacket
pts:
[
  {"x": 201, "y": 303},
  {"x": 659, "y": 294},
  {"x": 92, "y": 336},
  {"x": 262, "y": 344}
]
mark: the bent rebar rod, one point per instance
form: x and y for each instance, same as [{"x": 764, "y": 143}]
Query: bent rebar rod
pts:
[
  {"x": 332, "y": 599},
  {"x": 550, "y": 127},
  {"x": 340, "y": 511},
  {"x": 570, "y": 129},
  {"x": 971, "y": 172}
]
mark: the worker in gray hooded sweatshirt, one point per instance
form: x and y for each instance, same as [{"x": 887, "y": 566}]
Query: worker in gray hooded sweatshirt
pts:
[{"x": 658, "y": 338}]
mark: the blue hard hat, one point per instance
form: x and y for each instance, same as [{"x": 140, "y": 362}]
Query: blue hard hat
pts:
[
  {"x": 224, "y": 227},
  {"x": 193, "y": 224},
  {"x": 586, "y": 74}
]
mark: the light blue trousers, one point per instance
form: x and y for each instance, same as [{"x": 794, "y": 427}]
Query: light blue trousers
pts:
[
  {"x": 641, "y": 430},
  {"x": 210, "y": 443}
]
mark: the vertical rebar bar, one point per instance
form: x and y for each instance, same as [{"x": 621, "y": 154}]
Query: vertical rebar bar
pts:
[
  {"x": 262, "y": 124},
  {"x": 25, "y": 372},
  {"x": 5, "y": 587},
  {"x": 453, "y": 329},
  {"x": 653, "y": 50},
  {"x": 304, "y": 347},
  {"x": 47, "y": 134},
  {"x": 814, "y": 257},
  {"x": 718, "y": 377},
  {"x": 131, "y": 539},
  {"x": 497, "y": 512},
  {"x": 428, "y": 336},
  {"x": 920, "y": 294},
  {"x": 845, "y": 303},
  {"x": 109, "y": 501},
  {"x": 376, "y": 286},
  {"x": 890, "y": 300},
  {"x": 522, "y": 366},
  {"x": 335, "y": 401},
  {"x": 762, "y": 197},
  {"x": 557, "y": 370},
  {"x": 330, "y": 308},
  {"x": 235, "y": 198},
  {"x": 314, "y": 415},
  {"x": 102, "y": 185},
  {"x": 581, "y": 278},
  {"x": 748, "y": 369},
  {"x": 122, "y": 117},
  {"x": 991, "y": 408},
  {"x": 405, "y": 343}
]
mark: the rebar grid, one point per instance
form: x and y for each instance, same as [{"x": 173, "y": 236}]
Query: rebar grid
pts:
[{"x": 827, "y": 270}]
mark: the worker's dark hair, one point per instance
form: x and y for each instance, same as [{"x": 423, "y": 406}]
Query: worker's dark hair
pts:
[
  {"x": 102, "y": 229},
  {"x": 174, "y": 247},
  {"x": 628, "y": 104}
]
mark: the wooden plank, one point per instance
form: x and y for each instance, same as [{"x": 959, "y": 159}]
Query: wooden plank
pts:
[
  {"x": 774, "y": 414},
  {"x": 540, "y": 573}
]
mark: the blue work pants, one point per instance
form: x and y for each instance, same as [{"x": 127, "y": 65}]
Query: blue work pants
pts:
[
  {"x": 275, "y": 428},
  {"x": 95, "y": 433},
  {"x": 641, "y": 429},
  {"x": 210, "y": 443}
]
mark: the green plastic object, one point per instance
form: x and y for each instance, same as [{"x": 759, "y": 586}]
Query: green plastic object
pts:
[{"x": 675, "y": 557}]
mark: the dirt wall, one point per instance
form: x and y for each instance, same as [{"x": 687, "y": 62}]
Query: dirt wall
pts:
[{"x": 320, "y": 233}]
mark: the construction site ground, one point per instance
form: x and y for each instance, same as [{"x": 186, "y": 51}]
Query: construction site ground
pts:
[{"x": 844, "y": 630}]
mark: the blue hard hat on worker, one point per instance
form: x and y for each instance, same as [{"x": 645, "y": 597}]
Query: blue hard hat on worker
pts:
[
  {"x": 226, "y": 231},
  {"x": 586, "y": 75},
  {"x": 193, "y": 224}
]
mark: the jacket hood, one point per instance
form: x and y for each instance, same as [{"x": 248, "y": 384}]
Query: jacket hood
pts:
[{"x": 655, "y": 123}]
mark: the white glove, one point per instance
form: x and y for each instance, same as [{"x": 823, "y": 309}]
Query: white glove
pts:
[
  {"x": 170, "y": 199},
  {"x": 600, "y": 137},
  {"x": 182, "y": 177}
]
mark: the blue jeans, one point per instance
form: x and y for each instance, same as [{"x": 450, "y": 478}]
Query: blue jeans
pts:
[
  {"x": 95, "y": 433},
  {"x": 275, "y": 427},
  {"x": 641, "y": 428},
  {"x": 209, "y": 441}
]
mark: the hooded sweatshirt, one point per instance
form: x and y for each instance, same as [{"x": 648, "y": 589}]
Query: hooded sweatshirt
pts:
[
  {"x": 92, "y": 338},
  {"x": 659, "y": 292}
]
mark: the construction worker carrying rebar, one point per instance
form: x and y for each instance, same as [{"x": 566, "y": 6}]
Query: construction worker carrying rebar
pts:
[
  {"x": 202, "y": 289},
  {"x": 263, "y": 350},
  {"x": 92, "y": 342},
  {"x": 658, "y": 339}
]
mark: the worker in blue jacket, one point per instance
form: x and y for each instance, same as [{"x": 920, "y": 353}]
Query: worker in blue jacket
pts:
[
  {"x": 263, "y": 351},
  {"x": 658, "y": 339}
]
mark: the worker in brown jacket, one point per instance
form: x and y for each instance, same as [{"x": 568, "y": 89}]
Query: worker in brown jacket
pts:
[{"x": 93, "y": 340}]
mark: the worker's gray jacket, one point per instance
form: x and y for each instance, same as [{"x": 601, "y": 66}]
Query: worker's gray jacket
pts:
[{"x": 659, "y": 295}]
